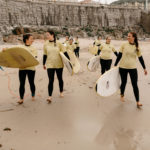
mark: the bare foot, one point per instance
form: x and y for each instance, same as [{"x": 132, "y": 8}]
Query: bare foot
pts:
[
  {"x": 122, "y": 98},
  {"x": 61, "y": 95},
  {"x": 139, "y": 105},
  {"x": 33, "y": 98},
  {"x": 49, "y": 99},
  {"x": 20, "y": 101}
]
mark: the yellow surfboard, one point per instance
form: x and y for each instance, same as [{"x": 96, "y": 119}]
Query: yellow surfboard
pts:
[
  {"x": 74, "y": 61},
  {"x": 17, "y": 57},
  {"x": 67, "y": 63},
  {"x": 93, "y": 49}
]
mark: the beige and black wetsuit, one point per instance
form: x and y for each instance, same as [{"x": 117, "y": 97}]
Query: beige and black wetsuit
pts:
[
  {"x": 127, "y": 57},
  {"x": 53, "y": 62},
  {"x": 106, "y": 51},
  {"x": 29, "y": 72}
]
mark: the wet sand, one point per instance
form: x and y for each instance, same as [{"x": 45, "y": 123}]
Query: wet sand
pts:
[{"x": 81, "y": 120}]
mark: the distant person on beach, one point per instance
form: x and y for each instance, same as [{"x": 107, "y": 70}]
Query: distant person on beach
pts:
[
  {"x": 98, "y": 43},
  {"x": 105, "y": 50},
  {"x": 77, "y": 47},
  {"x": 29, "y": 71},
  {"x": 66, "y": 40},
  {"x": 128, "y": 53},
  {"x": 53, "y": 63},
  {"x": 70, "y": 46}
]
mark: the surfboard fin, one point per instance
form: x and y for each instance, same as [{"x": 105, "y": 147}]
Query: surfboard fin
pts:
[
  {"x": 96, "y": 87},
  {"x": 107, "y": 84}
]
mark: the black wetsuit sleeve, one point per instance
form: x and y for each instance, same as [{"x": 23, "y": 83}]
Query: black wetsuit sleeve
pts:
[
  {"x": 116, "y": 54},
  {"x": 142, "y": 62},
  {"x": 98, "y": 52},
  {"x": 44, "y": 59},
  {"x": 66, "y": 54},
  {"x": 118, "y": 59}
]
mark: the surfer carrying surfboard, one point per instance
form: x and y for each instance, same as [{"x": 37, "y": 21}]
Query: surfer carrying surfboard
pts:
[
  {"x": 105, "y": 51},
  {"x": 98, "y": 43},
  {"x": 70, "y": 46},
  {"x": 127, "y": 56},
  {"x": 66, "y": 40},
  {"x": 29, "y": 71},
  {"x": 53, "y": 63}
]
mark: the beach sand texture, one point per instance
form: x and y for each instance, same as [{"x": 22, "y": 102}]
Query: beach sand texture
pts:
[{"x": 81, "y": 120}]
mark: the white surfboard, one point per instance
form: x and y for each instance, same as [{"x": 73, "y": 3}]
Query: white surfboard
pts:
[
  {"x": 94, "y": 63},
  {"x": 108, "y": 83},
  {"x": 67, "y": 63},
  {"x": 17, "y": 57},
  {"x": 64, "y": 44},
  {"x": 74, "y": 61}
]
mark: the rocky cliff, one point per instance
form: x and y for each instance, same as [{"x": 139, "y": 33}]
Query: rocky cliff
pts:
[{"x": 21, "y": 13}]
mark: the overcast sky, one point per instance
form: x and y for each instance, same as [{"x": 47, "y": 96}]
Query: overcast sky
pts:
[{"x": 104, "y": 1}]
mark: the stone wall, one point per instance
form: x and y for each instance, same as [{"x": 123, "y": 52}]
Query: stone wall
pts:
[
  {"x": 26, "y": 13},
  {"x": 14, "y": 12},
  {"x": 145, "y": 21}
]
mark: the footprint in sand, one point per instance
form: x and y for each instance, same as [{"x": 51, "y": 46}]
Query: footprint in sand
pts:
[
  {"x": 41, "y": 91},
  {"x": 90, "y": 87},
  {"x": 84, "y": 83},
  {"x": 5, "y": 108},
  {"x": 40, "y": 80},
  {"x": 13, "y": 97}
]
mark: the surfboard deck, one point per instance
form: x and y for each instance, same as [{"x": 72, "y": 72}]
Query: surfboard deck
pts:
[
  {"x": 17, "y": 57},
  {"x": 93, "y": 49},
  {"x": 108, "y": 83},
  {"x": 74, "y": 61},
  {"x": 67, "y": 63},
  {"x": 93, "y": 63}
]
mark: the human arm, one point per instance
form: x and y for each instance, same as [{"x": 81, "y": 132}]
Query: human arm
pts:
[
  {"x": 118, "y": 59},
  {"x": 143, "y": 64}
]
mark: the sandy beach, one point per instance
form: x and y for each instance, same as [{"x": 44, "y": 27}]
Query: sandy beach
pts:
[{"x": 81, "y": 120}]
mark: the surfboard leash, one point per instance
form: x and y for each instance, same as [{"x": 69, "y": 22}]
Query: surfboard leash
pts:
[
  {"x": 9, "y": 87},
  {"x": 11, "y": 91}
]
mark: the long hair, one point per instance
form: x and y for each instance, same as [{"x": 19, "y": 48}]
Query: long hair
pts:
[
  {"x": 52, "y": 33},
  {"x": 26, "y": 37},
  {"x": 135, "y": 40}
]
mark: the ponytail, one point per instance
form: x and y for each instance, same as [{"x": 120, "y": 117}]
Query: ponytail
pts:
[{"x": 135, "y": 40}]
